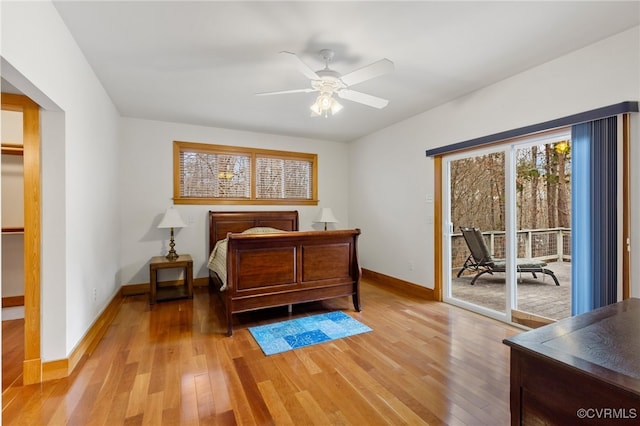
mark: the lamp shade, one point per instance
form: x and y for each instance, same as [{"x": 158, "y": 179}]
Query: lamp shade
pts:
[
  {"x": 326, "y": 216},
  {"x": 325, "y": 103},
  {"x": 172, "y": 219}
]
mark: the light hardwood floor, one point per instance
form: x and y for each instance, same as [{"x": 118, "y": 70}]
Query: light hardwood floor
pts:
[
  {"x": 12, "y": 352},
  {"x": 423, "y": 363}
]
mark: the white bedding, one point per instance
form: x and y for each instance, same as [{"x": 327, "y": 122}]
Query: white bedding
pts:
[{"x": 218, "y": 257}]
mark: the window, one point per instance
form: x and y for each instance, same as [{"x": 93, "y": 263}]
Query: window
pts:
[{"x": 217, "y": 174}]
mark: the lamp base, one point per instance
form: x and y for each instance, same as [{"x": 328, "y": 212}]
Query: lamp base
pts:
[{"x": 172, "y": 255}]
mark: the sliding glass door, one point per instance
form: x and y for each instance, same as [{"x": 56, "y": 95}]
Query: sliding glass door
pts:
[
  {"x": 476, "y": 220},
  {"x": 543, "y": 229},
  {"x": 507, "y": 229},
  {"x": 475, "y": 226}
]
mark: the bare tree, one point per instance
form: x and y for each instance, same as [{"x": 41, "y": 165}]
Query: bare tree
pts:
[
  {"x": 535, "y": 178},
  {"x": 564, "y": 190},
  {"x": 542, "y": 189}
]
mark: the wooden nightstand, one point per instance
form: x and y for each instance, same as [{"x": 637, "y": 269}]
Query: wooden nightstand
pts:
[{"x": 171, "y": 292}]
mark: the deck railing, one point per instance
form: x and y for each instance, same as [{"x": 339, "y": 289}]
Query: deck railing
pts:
[{"x": 547, "y": 244}]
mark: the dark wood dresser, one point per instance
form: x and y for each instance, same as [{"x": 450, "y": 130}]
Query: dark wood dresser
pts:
[{"x": 580, "y": 370}]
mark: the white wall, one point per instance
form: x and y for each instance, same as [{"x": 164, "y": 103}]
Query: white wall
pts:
[
  {"x": 11, "y": 129},
  {"x": 146, "y": 190},
  {"x": 389, "y": 203},
  {"x": 80, "y": 202},
  {"x": 12, "y": 191},
  {"x": 12, "y": 264}
]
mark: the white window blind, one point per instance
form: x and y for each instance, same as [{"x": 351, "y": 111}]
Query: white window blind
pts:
[
  {"x": 208, "y": 175},
  {"x": 283, "y": 178}
]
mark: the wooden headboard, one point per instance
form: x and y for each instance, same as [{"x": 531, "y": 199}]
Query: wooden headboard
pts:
[{"x": 221, "y": 223}]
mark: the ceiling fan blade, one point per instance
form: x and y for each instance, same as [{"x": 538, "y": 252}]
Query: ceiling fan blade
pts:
[
  {"x": 304, "y": 68},
  {"x": 362, "y": 98},
  {"x": 283, "y": 92},
  {"x": 368, "y": 72}
]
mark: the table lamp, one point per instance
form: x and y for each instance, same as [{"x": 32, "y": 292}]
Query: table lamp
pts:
[
  {"x": 326, "y": 216},
  {"x": 172, "y": 220}
]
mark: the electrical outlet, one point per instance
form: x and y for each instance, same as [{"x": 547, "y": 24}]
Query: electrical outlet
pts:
[
  {"x": 411, "y": 266},
  {"x": 95, "y": 294}
]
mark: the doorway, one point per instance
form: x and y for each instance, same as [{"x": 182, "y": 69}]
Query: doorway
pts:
[
  {"x": 31, "y": 364},
  {"x": 516, "y": 199},
  {"x": 12, "y": 248}
]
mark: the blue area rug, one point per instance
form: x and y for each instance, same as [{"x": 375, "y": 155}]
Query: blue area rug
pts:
[{"x": 292, "y": 334}]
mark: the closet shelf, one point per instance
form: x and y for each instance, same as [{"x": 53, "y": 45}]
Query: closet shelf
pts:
[
  {"x": 12, "y": 149},
  {"x": 13, "y": 230}
]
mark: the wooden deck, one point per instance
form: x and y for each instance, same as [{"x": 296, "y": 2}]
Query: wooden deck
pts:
[{"x": 537, "y": 296}]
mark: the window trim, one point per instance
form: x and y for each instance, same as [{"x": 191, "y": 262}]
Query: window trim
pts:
[{"x": 253, "y": 153}]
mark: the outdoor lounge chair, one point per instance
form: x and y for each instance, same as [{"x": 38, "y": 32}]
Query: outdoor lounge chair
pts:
[{"x": 481, "y": 261}]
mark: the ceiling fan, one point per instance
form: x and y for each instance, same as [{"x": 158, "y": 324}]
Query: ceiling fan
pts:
[{"x": 329, "y": 82}]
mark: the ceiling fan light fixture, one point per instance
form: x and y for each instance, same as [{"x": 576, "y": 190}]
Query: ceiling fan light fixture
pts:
[
  {"x": 315, "y": 108},
  {"x": 325, "y": 101},
  {"x": 335, "y": 107},
  {"x": 325, "y": 104}
]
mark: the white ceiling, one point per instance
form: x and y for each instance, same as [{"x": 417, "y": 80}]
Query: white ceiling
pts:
[{"x": 202, "y": 62}]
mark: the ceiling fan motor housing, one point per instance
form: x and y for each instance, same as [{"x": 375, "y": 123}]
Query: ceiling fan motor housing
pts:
[{"x": 329, "y": 82}]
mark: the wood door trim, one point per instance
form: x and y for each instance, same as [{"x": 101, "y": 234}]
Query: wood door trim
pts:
[
  {"x": 437, "y": 228},
  {"x": 626, "y": 207}
]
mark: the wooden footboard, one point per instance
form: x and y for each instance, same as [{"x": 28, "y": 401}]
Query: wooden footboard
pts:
[{"x": 267, "y": 270}]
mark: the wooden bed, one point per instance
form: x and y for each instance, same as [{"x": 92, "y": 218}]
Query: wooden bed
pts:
[{"x": 276, "y": 269}]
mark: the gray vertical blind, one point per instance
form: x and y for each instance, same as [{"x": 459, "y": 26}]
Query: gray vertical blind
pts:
[{"x": 594, "y": 275}]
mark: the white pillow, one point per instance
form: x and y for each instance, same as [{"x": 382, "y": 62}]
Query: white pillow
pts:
[{"x": 262, "y": 230}]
